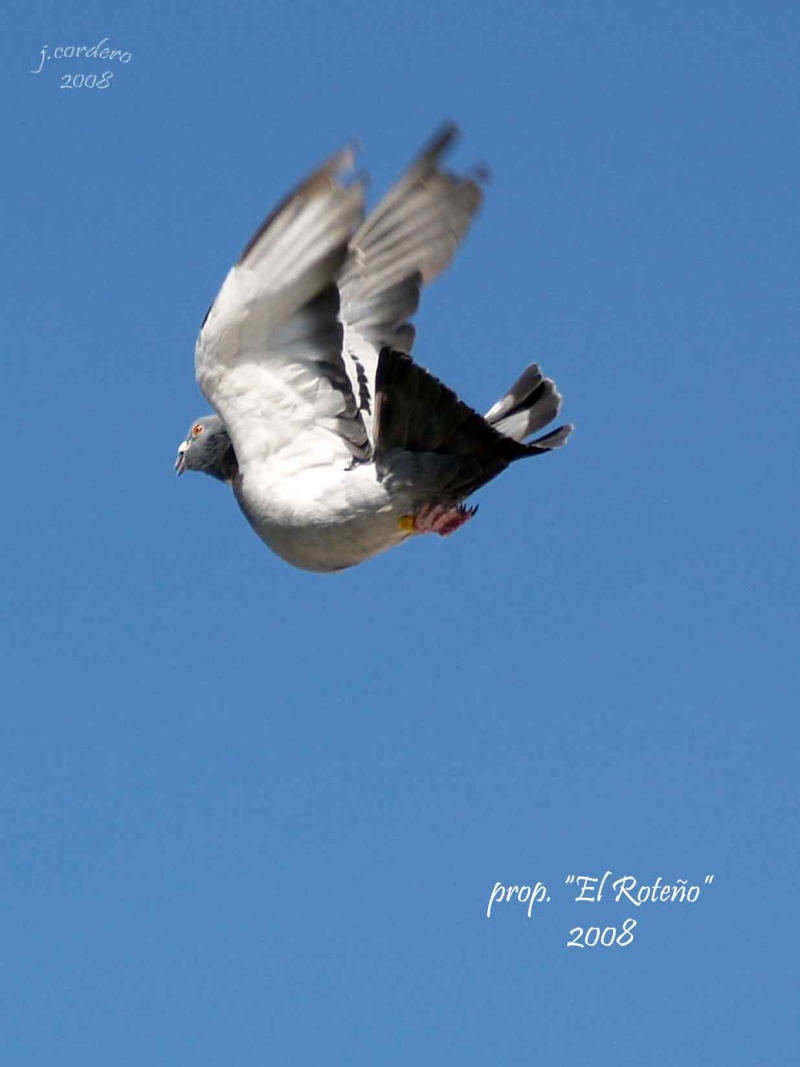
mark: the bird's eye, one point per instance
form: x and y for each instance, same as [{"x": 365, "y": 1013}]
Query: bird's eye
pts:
[{"x": 197, "y": 429}]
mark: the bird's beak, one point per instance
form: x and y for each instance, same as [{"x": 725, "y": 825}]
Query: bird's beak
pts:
[{"x": 180, "y": 462}]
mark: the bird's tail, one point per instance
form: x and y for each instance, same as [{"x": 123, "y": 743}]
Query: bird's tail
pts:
[
  {"x": 417, "y": 413},
  {"x": 529, "y": 405}
]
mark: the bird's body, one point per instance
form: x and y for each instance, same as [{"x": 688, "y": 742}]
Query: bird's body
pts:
[
  {"x": 323, "y": 519},
  {"x": 337, "y": 445}
]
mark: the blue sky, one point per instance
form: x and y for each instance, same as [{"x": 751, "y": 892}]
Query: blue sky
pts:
[{"x": 251, "y": 815}]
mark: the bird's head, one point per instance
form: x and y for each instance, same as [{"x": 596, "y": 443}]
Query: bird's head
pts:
[{"x": 207, "y": 448}]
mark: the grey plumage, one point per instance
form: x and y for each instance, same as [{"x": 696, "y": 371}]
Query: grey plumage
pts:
[
  {"x": 417, "y": 413},
  {"x": 406, "y": 242},
  {"x": 208, "y": 449},
  {"x": 337, "y": 444},
  {"x": 529, "y": 405}
]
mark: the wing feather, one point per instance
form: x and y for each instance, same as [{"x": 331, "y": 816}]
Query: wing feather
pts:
[
  {"x": 405, "y": 242},
  {"x": 269, "y": 354},
  {"x": 288, "y": 352}
]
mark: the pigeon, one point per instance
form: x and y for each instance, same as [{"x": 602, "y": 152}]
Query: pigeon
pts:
[{"x": 336, "y": 443}]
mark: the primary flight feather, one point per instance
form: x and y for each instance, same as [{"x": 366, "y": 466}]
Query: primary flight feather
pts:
[{"x": 336, "y": 443}]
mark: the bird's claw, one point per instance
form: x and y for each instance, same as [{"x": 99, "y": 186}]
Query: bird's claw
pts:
[{"x": 441, "y": 519}]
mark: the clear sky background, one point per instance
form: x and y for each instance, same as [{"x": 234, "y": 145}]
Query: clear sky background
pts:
[{"x": 253, "y": 816}]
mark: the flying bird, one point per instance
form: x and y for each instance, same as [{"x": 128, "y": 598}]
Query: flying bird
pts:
[{"x": 336, "y": 443}]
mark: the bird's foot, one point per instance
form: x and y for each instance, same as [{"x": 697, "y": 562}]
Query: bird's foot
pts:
[{"x": 442, "y": 519}]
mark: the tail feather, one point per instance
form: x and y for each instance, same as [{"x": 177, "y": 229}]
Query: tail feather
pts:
[
  {"x": 417, "y": 413},
  {"x": 555, "y": 439},
  {"x": 530, "y": 404}
]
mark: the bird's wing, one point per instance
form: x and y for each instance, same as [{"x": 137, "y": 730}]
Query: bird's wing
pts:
[
  {"x": 269, "y": 354},
  {"x": 405, "y": 242}
]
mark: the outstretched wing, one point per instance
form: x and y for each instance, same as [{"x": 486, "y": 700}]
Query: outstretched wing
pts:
[
  {"x": 405, "y": 242},
  {"x": 269, "y": 354}
]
